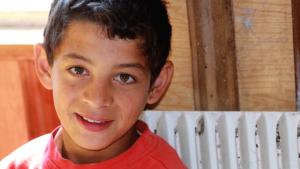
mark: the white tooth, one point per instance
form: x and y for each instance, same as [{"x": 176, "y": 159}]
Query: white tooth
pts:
[{"x": 92, "y": 121}]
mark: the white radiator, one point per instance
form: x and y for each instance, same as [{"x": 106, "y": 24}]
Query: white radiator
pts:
[{"x": 231, "y": 140}]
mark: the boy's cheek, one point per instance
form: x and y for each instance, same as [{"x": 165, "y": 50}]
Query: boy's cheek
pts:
[
  {"x": 64, "y": 91},
  {"x": 63, "y": 82}
]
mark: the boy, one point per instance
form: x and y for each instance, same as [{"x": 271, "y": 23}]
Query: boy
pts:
[{"x": 104, "y": 60}]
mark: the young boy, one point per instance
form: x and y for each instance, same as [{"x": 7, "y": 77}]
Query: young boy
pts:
[{"x": 104, "y": 60}]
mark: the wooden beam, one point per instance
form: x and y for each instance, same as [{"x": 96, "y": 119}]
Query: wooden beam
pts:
[
  {"x": 296, "y": 32},
  {"x": 213, "y": 54}
]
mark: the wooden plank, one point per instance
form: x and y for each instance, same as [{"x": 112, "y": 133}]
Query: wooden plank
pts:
[
  {"x": 265, "y": 59},
  {"x": 296, "y": 33},
  {"x": 180, "y": 94},
  {"x": 13, "y": 127},
  {"x": 213, "y": 51},
  {"x": 198, "y": 62}
]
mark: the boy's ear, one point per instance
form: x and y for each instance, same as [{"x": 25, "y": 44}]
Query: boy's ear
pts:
[
  {"x": 42, "y": 67},
  {"x": 161, "y": 84}
]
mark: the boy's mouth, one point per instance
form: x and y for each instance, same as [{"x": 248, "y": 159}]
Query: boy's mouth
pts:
[
  {"x": 93, "y": 121},
  {"x": 92, "y": 124}
]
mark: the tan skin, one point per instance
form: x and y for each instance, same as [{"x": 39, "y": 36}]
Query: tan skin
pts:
[{"x": 101, "y": 80}]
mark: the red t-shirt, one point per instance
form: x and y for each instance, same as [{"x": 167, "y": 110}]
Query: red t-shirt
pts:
[{"x": 148, "y": 152}]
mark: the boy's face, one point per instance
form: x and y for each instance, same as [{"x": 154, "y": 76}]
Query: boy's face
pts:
[{"x": 100, "y": 85}]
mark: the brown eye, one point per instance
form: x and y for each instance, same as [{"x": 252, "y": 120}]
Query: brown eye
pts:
[
  {"x": 125, "y": 78},
  {"x": 78, "y": 71}
]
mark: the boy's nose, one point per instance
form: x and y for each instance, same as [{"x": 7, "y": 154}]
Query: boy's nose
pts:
[{"x": 98, "y": 95}]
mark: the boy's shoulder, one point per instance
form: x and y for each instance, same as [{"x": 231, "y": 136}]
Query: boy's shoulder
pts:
[
  {"x": 29, "y": 154},
  {"x": 158, "y": 153},
  {"x": 164, "y": 155}
]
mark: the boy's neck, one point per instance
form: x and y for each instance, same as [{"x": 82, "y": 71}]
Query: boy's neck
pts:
[{"x": 79, "y": 155}]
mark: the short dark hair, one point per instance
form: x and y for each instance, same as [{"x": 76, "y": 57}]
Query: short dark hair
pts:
[{"x": 146, "y": 20}]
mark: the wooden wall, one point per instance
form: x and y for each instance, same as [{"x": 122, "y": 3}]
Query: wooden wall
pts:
[
  {"x": 265, "y": 60},
  {"x": 262, "y": 42}
]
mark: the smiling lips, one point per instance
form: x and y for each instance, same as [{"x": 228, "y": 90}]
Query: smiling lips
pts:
[{"x": 93, "y": 125}]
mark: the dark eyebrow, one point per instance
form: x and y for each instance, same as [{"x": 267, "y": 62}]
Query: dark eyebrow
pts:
[
  {"x": 122, "y": 65},
  {"x": 77, "y": 56},
  {"x": 132, "y": 65}
]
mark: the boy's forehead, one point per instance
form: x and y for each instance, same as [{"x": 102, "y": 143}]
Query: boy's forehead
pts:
[
  {"x": 83, "y": 26},
  {"x": 87, "y": 30},
  {"x": 89, "y": 35}
]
